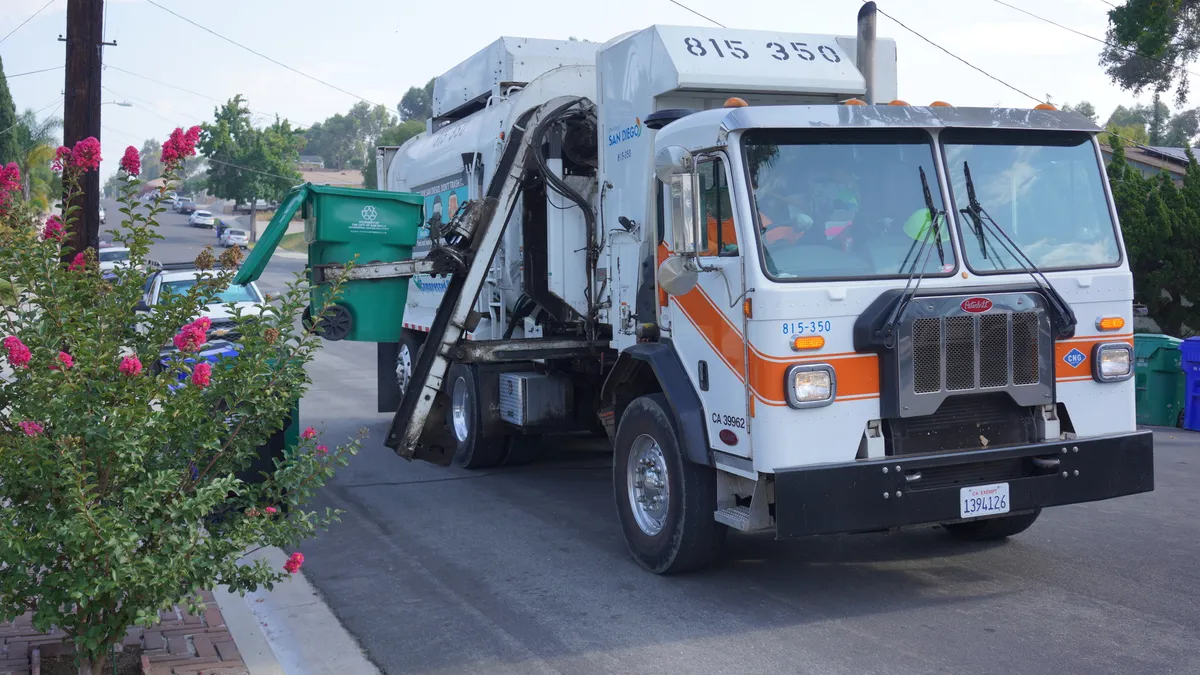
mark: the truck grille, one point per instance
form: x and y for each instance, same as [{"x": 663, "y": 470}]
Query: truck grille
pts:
[
  {"x": 975, "y": 352},
  {"x": 958, "y": 345}
]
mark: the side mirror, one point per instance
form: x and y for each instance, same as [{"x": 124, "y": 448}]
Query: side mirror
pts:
[
  {"x": 677, "y": 276},
  {"x": 141, "y": 306},
  {"x": 676, "y": 168}
]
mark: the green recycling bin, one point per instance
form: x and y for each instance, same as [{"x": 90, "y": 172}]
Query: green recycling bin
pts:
[
  {"x": 339, "y": 224},
  {"x": 1159, "y": 381}
]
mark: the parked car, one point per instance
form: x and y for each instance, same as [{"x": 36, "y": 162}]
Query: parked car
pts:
[
  {"x": 112, "y": 257},
  {"x": 231, "y": 237},
  {"x": 102, "y": 220},
  {"x": 259, "y": 205},
  {"x": 179, "y": 277},
  {"x": 186, "y": 206},
  {"x": 202, "y": 219}
]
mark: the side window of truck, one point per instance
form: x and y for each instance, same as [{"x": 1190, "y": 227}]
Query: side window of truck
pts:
[{"x": 716, "y": 209}]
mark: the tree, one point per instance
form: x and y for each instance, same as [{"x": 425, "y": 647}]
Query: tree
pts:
[
  {"x": 1183, "y": 128},
  {"x": 338, "y": 141},
  {"x": 1083, "y": 108},
  {"x": 417, "y": 103},
  {"x": 396, "y": 135},
  {"x": 1151, "y": 44},
  {"x": 244, "y": 163},
  {"x": 37, "y": 140},
  {"x": 151, "y": 159},
  {"x": 9, "y": 150}
]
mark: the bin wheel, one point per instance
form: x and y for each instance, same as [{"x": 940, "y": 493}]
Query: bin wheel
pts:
[
  {"x": 335, "y": 325},
  {"x": 992, "y": 528},
  {"x": 464, "y": 418}
]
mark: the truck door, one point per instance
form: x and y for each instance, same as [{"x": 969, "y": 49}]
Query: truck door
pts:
[{"x": 707, "y": 324}]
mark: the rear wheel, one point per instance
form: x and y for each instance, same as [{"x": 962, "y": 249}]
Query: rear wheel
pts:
[
  {"x": 992, "y": 528},
  {"x": 665, "y": 503},
  {"x": 464, "y": 416},
  {"x": 406, "y": 357}
]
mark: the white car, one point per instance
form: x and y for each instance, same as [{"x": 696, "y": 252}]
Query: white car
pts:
[
  {"x": 101, "y": 215},
  {"x": 246, "y": 298},
  {"x": 202, "y": 219},
  {"x": 230, "y": 238},
  {"x": 112, "y": 257}
]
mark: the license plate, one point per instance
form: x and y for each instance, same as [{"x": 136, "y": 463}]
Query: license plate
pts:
[{"x": 983, "y": 500}]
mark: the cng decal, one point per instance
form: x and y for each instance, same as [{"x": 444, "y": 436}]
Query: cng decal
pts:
[
  {"x": 369, "y": 222},
  {"x": 1074, "y": 358}
]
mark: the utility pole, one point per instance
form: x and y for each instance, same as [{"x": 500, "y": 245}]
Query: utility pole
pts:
[{"x": 81, "y": 117}]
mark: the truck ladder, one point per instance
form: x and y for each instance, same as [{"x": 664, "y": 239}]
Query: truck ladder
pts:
[{"x": 418, "y": 430}]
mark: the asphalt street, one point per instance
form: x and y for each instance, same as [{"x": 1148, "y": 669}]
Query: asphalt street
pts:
[{"x": 524, "y": 570}]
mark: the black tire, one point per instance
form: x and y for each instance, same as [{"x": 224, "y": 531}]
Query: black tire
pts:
[
  {"x": 689, "y": 538},
  {"x": 992, "y": 528},
  {"x": 472, "y": 450}
]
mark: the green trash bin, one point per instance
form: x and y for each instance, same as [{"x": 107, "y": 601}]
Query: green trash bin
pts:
[
  {"x": 1160, "y": 383},
  {"x": 340, "y": 223}
]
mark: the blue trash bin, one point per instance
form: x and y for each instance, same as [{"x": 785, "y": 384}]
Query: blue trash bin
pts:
[{"x": 1190, "y": 363}]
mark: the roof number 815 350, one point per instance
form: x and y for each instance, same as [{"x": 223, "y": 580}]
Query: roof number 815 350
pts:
[{"x": 779, "y": 51}]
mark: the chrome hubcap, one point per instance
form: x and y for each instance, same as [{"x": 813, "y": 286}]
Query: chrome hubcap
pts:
[
  {"x": 404, "y": 367},
  {"x": 648, "y": 487},
  {"x": 460, "y": 409}
]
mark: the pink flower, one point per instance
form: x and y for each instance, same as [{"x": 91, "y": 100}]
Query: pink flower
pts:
[
  {"x": 31, "y": 428},
  {"x": 180, "y": 145},
  {"x": 60, "y": 157},
  {"x": 86, "y": 154},
  {"x": 10, "y": 177},
  {"x": 202, "y": 375},
  {"x": 294, "y": 562},
  {"x": 132, "y": 161},
  {"x": 193, "y": 335},
  {"x": 322, "y": 449},
  {"x": 308, "y": 433},
  {"x": 54, "y": 229},
  {"x": 65, "y": 359},
  {"x": 78, "y": 262},
  {"x": 18, "y": 354},
  {"x": 270, "y": 509},
  {"x": 131, "y": 366}
]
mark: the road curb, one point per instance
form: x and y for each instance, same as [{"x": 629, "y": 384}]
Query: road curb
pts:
[
  {"x": 303, "y": 635},
  {"x": 247, "y": 634}
]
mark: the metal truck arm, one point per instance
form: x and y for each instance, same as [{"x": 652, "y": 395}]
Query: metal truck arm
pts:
[{"x": 418, "y": 431}]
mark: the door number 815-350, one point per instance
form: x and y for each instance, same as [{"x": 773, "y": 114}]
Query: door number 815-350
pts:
[{"x": 805, "y": 327}]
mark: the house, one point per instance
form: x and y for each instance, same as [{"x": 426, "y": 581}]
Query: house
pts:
[
  {"x": 333, "y": 177},
  {"x": 1153, "y": 160},
  {"x": 308, "y": 162}
]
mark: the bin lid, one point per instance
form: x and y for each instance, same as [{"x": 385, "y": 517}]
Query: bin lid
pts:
[
  {"x": 1145, "y": 344},
  {"x": 360, "y": 193},
  {"x": 269, "y": 240}
]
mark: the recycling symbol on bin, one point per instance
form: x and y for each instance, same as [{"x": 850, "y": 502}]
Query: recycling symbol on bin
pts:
[{"x": 369, "y": 213}]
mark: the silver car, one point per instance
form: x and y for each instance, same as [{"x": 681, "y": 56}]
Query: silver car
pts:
[
  {"x": 202, "y": 219},
  {"x": 231, "y": 237}
]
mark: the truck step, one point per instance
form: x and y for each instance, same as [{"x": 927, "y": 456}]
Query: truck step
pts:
[{"x": 737, "y": 517}]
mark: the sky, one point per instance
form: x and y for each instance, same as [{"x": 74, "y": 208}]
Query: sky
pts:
[{"x": 377, "y": 49}]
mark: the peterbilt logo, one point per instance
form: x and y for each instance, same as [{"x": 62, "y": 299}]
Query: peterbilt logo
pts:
[{"x": 976, "y": 305}]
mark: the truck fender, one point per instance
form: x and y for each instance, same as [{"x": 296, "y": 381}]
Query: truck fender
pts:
[{"x": 661, "y": 360}]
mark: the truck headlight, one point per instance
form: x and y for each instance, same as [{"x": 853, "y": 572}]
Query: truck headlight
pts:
[
  {"x": 1112, "y": 362},
  {"x": 810, "y": 385}
]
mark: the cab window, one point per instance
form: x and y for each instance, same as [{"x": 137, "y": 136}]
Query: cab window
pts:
[{"x": 720, "y": 234}]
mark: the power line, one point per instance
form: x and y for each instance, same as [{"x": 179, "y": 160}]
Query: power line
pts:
[
  {"x": 145, "y": 102},
  {"x": 51, "y": 2},
  {"x": 959, "y": 58},
  {"x": 18, "y": 122},
  {"x": 260, "y": 54},
  {"x": 676, "y": 2},
  {"x": 1127, "y": 50},
  {"x": 35, "y": 72}
]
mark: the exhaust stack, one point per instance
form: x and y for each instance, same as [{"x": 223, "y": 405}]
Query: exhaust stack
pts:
[{"x": 866, "y": 48}]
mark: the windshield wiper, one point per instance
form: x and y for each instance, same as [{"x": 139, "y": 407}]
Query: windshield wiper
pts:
[
  {"x": 919, "y": 263},
  {"x": 1061, "y": 315}
]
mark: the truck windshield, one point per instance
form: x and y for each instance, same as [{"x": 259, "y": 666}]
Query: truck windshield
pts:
[
  {"x": 844, "y": 204},
  {"x": 1043, "y": 189}
]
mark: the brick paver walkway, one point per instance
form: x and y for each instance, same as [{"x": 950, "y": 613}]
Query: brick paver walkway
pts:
[{"x": 182, "y": 644}]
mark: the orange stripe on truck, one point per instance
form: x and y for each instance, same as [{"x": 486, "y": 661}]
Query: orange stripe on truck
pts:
[
  {"x": 857, "y": 374},
  {"x": 1064, "y": 372}
]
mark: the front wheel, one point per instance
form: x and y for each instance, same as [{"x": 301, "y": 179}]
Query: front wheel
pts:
[
  {"x": 992, "y": 528},
  {"x": 665, "y": 503}
]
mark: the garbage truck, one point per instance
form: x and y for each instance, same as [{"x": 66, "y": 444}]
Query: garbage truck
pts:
[{"x": 792, "y": 302}]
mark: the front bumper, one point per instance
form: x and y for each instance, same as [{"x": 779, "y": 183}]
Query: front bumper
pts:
[{"x": 905, "y": 490}]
